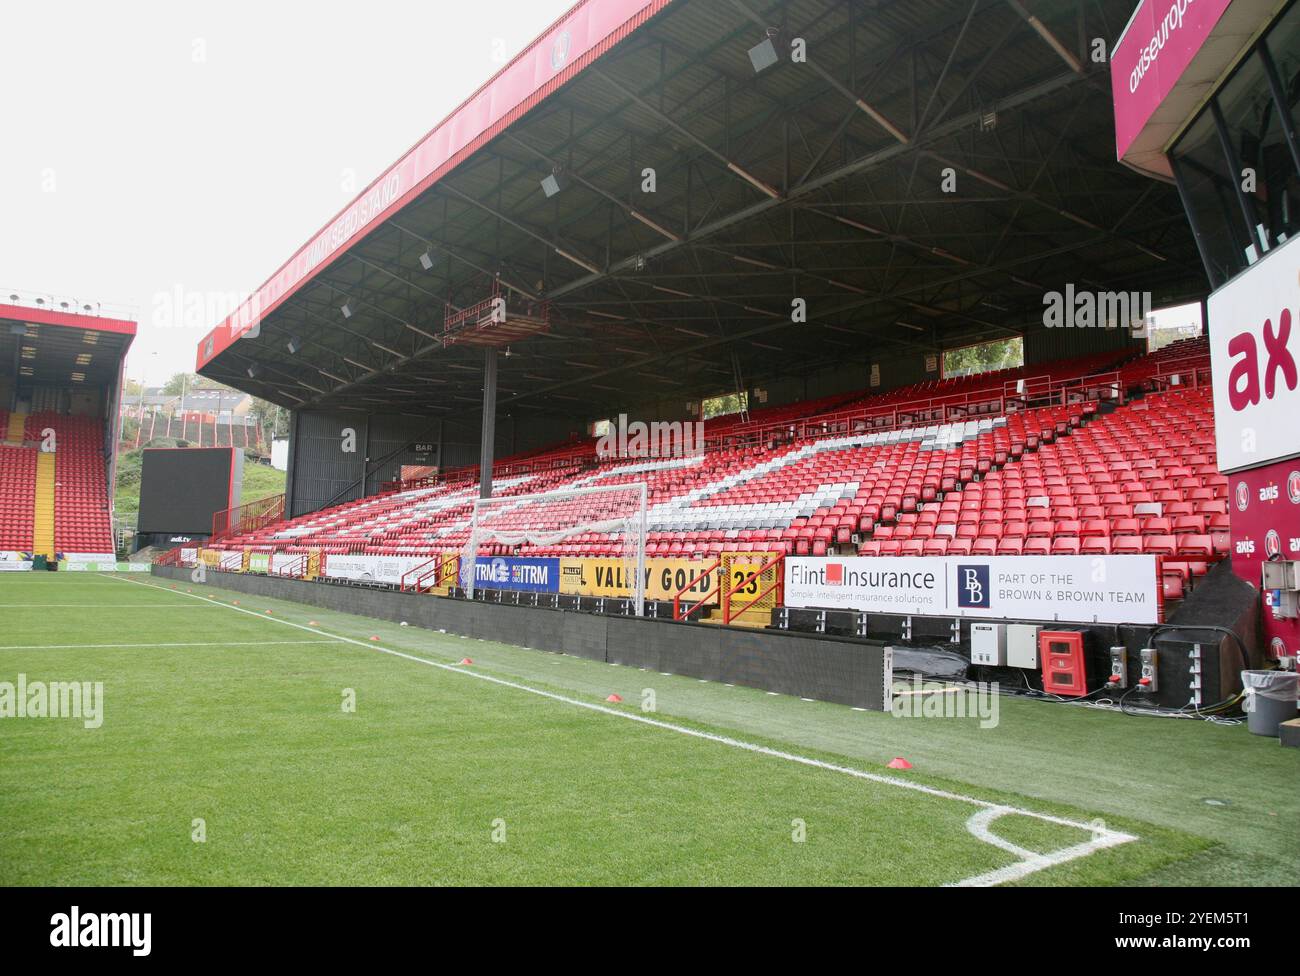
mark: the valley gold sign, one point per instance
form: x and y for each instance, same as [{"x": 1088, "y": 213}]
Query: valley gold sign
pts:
[{"x": 663, "y": 578}]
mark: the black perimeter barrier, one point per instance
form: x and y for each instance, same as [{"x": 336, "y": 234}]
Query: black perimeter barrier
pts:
[{"x": 825, "y": 668}]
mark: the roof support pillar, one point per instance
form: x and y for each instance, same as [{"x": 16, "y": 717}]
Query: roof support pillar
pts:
[{"x": 489, "y": 422}]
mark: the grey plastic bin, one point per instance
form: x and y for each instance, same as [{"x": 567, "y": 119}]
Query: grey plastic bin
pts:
[{"x": 1270, "y": 699}]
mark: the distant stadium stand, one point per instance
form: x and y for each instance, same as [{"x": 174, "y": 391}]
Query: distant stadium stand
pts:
[{"x": 56, "y": 460}]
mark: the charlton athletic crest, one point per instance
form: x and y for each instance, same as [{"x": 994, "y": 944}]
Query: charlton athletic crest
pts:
[
  {"x": 560, "y": 51},
  {"x": 1243, "y": 496},
  {"x": 1272, "y": 544},
  {"x": 1293, "y": 487}
]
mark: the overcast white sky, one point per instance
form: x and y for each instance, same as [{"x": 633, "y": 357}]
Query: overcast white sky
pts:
[{"x": 170, "y": 156}]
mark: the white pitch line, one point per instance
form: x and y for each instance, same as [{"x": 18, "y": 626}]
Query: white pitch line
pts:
[
  {"x": 55, "y": 647},
  {"x": 1031, "y": 863},
  {"x": 95, "y": 606}
]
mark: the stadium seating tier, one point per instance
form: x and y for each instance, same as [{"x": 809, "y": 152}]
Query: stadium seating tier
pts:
[{"x": 947, "y": 475}]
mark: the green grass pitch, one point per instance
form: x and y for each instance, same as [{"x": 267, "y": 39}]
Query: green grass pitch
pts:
[{"x": 226, "y": 756}]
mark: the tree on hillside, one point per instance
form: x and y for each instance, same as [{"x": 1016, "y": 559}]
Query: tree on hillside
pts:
[
  {"x": 178, "y": 384},
  {"x": 268, "y": 415},
  {"x": 984, "y": 358},
  {"x": 726, "y": 403},
  {"x": 184, "y": 382}
]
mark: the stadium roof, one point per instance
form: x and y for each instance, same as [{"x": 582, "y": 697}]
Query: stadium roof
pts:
[
  {"x": 819, "y": 179},
  {"x": 55, "y": 347}
]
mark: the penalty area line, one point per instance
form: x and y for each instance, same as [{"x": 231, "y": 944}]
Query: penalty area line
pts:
[{"x": 978, "y": 825}]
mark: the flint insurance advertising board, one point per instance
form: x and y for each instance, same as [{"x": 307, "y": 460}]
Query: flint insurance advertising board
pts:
[{"x": 1075, "y": 589}]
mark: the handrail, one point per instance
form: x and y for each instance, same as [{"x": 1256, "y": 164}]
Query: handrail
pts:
[
  {"x": 879, "y": 418},
  {"x": 468, "y": 473},
  {"x": 438, "y": 573},
  {"x": 296, "y": 568},
  {"x": 401, "y": 583},
  {"x": 903, "y": 413},
  {"x": 248, "y": 517},
  {"x": 172, "y": 557},
  {"x": 1182, "y": 363},
  {"x": 727, "y": 615},
  {"x": 1193, "y": 366},
  {"x": 1189, "y": 379},
  {"x": 677, "y": 597},
  {"x": 1041, "y": 386}
]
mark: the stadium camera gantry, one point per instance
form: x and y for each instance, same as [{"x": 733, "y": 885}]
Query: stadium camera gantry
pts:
[{"x": 657, "y": 201}]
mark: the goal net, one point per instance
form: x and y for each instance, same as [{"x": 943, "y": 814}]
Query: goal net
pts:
[{"x": 605, "y": 521}]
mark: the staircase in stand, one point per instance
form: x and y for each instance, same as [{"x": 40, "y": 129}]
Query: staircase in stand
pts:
[
  {"x": 17, "y": 422},
  {"x": 757, "y": 619},
  {"x": 43, "y": 523}
]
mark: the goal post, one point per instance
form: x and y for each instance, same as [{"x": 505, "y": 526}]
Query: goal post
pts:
[{"x": 597, "y": 520}]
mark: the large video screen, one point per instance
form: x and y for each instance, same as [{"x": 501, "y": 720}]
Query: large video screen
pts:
[{"x": 181, "y": 489}]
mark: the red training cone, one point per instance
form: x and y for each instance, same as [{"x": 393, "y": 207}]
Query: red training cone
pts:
[
  {"x": 466, "y": 660},
  {"x": 898, "y": 762},
  {"x": 614, "y": 698}
]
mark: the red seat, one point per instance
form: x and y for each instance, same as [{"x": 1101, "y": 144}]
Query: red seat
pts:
[
  {"x": 1195, "y": 546},
  {"x": 1157, "y": 525},
  {"x": 1161, "y": 545}
]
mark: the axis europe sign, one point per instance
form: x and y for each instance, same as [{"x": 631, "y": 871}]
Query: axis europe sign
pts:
[
  {"x": 1254, "y": 325},
  {"x": 1075, "y": 589}
]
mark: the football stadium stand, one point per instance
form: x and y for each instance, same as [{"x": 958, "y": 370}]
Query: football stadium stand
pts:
[
  {"x": 55, "y": 501},
  {"x": 57, "y": 458},
  {"x": 944, "y": 468},
  {"x": 840, "y": 309}
]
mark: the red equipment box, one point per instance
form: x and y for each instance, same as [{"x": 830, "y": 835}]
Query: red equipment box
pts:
[{"x": 1062, "y": 655}]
